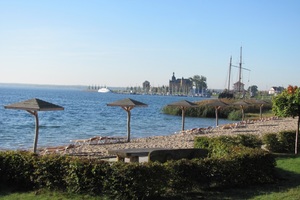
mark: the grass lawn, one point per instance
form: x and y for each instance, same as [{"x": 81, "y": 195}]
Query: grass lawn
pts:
[{"x": 288, "y": 188}]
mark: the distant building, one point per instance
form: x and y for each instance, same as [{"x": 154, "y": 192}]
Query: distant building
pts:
[
  {"x": 275, "y": 90},
  {"x": 180, "y": 86},
  {"x": 146, "y": 86},
  {"x": 238, "y": 87}
]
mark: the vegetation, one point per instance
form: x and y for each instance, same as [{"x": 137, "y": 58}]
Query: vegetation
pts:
[
  {"x": 229, "y": 112},
  {"x": 234, "y": 162},
  {"x": 199, "y": 82},
  {"x": 287, "y": 104},
  {"x": 228, "y": 166}
]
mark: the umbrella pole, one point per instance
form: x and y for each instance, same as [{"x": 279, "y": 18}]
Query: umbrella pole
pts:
[
  {"x": 243, "y": 114},
  {"x": 36, "y": 132},
  {"x": 183, "y": 117},
  {"x": 35, "y": 114},
  {"x": 128, "y": 125},
  {"x": 216, "y": 110}
]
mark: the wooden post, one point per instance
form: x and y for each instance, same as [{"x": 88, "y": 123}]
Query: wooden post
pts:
[
  {"x": 183, "y": 117},
  {"x": 35, "y": 114}
]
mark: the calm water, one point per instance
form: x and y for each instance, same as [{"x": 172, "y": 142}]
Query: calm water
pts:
[{"x": 86, "y": 114}]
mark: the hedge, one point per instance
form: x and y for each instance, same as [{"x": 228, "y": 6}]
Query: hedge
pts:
[
  {"x": 282, "y": 142},
  {"x": 242, "y": 166}
]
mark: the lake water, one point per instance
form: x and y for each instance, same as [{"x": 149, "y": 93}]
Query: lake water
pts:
[{"x": 86, "y": 115}]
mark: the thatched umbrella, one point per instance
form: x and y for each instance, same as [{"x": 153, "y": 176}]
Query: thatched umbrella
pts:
[
  {"x": 33, "y": 106},
  {"x": 242, "y": 105},
  {"x": 217, "y": 104},
  {"x": 128, "y": 104},
  {"x": 183, "y": 105},
  {"x": 261, "y": 103}
]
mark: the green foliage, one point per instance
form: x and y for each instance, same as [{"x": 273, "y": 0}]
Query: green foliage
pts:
[
  {"x": 171, "y": 110},
  {"x": 205, "y": 110},
  {"x": 136, "y": 181},
  {"x": 50, "y": 171},
  {"x": 236, "y": 165},
  {"x": 287, "y": 104},
  {"x": 235, "y": 115},
  {"x": 220, "y": 146},
  {"x": 282, "y": 142},
  {"x": 86, "y": 176},
  {"x": 16, "y": 169},
  {"x": 226, "y": 94}
]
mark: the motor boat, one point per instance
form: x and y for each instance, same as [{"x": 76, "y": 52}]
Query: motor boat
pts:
[{"x": 104, "y": 90}]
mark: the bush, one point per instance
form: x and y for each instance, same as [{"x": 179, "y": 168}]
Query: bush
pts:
[
  {"x": 235, "y": 115},
  {"x": 282, "y": 142},
  {"x": 86, "y": 176},
  {"x": 220, "y": 146},
  {"x": 249, "y": 140},
  {"x": 287, "y": 141},
  {"x": 16, "y": 169},
  {"x": 230, "y": 165},
  {"x": 136, "y": 181},
  {"x": 50, "y": 171}
]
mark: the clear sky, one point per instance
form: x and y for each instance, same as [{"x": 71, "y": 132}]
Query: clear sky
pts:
[{"x": 125, "y": 42}]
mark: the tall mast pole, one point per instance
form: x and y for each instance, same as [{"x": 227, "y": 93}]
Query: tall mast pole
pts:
[
  {"x": 229, "y": 73},
  {"x": 240, "y": 72}
]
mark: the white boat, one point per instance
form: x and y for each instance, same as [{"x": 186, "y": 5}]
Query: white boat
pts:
[{"x": 104, "y": 90}]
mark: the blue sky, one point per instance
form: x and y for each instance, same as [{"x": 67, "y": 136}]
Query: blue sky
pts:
[{"x": 124, "y": 43}]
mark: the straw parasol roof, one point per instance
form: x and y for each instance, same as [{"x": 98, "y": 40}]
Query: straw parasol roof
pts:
[
  {"x": 33, "y": 106},
  {"x": 261, "y": 103},
  {"x": 242, "y": 105}
]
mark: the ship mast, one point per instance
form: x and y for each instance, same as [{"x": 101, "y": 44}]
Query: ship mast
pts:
[
  {"x": 229, "y": 73},
  {"x": 240, "y": 71}
]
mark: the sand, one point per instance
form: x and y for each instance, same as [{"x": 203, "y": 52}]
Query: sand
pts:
[{"x": 186, "y": 139}]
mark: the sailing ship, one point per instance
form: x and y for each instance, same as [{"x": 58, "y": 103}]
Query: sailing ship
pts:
[{"x": 238, "y": 86}]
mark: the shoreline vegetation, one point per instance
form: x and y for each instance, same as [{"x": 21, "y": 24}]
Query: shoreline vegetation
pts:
[{"x": 231, "y": 111}]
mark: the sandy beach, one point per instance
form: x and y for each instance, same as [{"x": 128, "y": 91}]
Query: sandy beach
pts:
[{"x": 186, "y": 139}]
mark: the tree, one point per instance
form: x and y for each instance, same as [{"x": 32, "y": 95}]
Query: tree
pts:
[
  {"x": 287, "y": 104},
  {"x": 253, "y": 90},
  {"x": 199, "y": 82}
]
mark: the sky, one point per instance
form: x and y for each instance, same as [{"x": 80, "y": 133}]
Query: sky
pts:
[{"x": 122, "y": 43}]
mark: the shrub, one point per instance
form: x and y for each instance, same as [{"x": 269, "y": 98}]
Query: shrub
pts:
[
  {"x": 235, "y": 115},
  {"x": 282, "y": 142},
  {"x": 230, "y": 165},
  {"x": 16, "y": 169},
  {"x": 249, "y": 140},
  {"x": 50, "y": 171},
  {"x": 136, "y": 181},
  {"x": 220, "y": 146},
  {"x": 287, "y": 141},
  {"x": 86, "y": 176}
]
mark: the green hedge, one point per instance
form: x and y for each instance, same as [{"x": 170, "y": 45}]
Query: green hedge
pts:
[
  {"x": 221, "y": 145},
  {"x": 282, "y": 142},
  {"x": 17, "y": 169},
  {"x": 241, "y": 166}
]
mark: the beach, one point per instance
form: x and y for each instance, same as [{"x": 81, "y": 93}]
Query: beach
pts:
[{"x": 185, "y": 139}]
